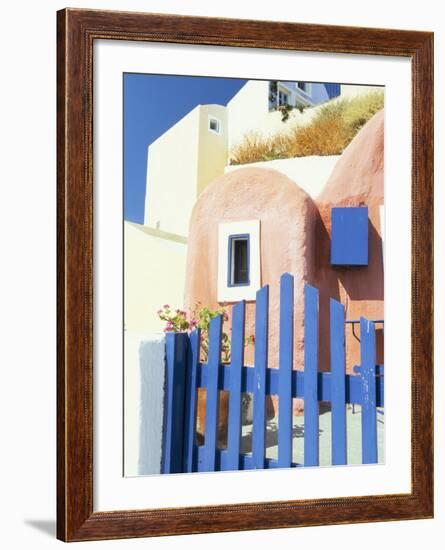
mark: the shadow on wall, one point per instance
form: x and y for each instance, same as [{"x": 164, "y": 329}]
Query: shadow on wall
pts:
[
  {"x": 151, "y": 405},
  {"x": 46, "y": 526},
  {"x": 326, "y": 280},
  {"x": 360, "y": 289},
  {"x": 366, "y": 283}
]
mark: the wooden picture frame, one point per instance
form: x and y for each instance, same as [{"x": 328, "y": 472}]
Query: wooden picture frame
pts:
[{"x": 77, "y": 31}]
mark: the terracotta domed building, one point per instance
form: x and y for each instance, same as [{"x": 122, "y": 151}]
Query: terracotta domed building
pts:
[{"x": 258, "y": 217}]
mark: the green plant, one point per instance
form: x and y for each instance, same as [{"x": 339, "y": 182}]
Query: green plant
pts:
[
  {"x": 201, "y": 318},
  {"x": 178, "y": 320}
]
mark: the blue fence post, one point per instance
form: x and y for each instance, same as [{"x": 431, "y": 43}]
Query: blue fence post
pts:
[
  {"x": 311, "y": 455},
  {"x": 367, "y": 373},
  {"x": 191, "y": 400},
  {"x": 212, "y": 395},
  {"x": 338, "y": 382},
  {"x": 236, "y": 369},
  {"x": 285, "y": 372},
  {"x": 259, "y": 392},
  {"x": 174, "y": 400}
]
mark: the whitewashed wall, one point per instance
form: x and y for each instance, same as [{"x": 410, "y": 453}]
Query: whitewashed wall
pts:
[
  {"x": 247, "y": 108},
  {"x": 144, "y": 376},
  {"x": 310, "y": 173}
]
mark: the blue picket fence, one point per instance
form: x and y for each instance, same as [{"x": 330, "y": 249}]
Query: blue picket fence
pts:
[{"x": 185, "y": 374}]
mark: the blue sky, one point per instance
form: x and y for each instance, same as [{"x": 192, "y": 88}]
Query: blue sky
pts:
[{"x": 152, "y": 104}]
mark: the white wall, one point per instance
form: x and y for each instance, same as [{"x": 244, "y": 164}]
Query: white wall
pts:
[
  {"x": 310, "y": 173},
  {"x": 247, "y": 108},
  {"x": 28, "y": 316},
  {"x": 144, "y": 375},
  {"x": 248, "y": 112}
]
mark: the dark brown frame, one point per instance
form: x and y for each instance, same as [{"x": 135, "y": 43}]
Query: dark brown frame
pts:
[{"x": 77, "y": 30}]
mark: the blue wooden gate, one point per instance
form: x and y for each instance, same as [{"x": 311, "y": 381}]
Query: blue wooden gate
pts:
[{"x": 185, "y": 374}]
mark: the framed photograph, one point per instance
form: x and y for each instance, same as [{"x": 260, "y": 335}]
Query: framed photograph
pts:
[{"x": 245, "y": 231}]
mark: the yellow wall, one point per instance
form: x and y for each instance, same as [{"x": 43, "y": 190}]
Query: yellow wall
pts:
[
  {"x": 154, "y": 275},
  {"x": 212, "y": 149},
  {"x": 172, "y": 173},
  {"x": 181, "y": 163}
]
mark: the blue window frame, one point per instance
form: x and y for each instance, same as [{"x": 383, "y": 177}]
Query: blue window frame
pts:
[{"x": 238, "y": 272}]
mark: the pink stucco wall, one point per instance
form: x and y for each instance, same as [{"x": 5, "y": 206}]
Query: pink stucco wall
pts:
[
  {"x": 287, "y": 223},
  {"x": 357, "y": 180}
]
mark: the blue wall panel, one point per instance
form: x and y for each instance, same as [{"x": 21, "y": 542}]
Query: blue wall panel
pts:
[{"x": 349, "y": 237}]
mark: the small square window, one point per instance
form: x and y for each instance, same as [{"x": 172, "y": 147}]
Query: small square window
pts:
[
  {"x": 239, "y": 260},
  {"x": 214, "y": 125},
  {"x": 238, "y": 265}
]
